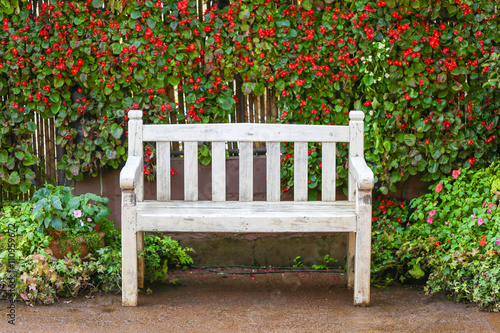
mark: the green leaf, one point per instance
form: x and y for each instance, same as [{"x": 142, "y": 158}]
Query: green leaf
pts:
[
  {"x": 259, "y": 89},
  {"x": 410, "y": 139},
  {"x": 56, "y": 223},
  {"x": 116, "y": 47},
  {"x": 247, "y": 87},
  {"x": 416, "y": 272},
  {"x": 31, "y": 126},
  {"x": 103, "y": 213},
  {"x": 368, "y": 80},
  {"x": 151, "y": 22},
  {"x": 244, "y": 15},
  {"x": 283, "y": 23},
  {"x": 280, "y": 85},
  {"x": 58, "y": 83},
  {"x": 14, "y": 178},
  {"x": 135, "y": 14},
  {"x": 357, "y": 105},
  {"x": 174, "y": 80},
  {"x": 73, "y": 204},
  {"x": 97, "y": 3},
  {"x": 306, "y": 4},
  {"x": 228, "y": 103},
  {"x": 56, "y": 202}
]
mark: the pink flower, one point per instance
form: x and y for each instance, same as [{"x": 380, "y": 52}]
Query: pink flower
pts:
[
  {"x": 455, "y": 173},
  {"x": 446, "y": 222},
  {"x": 439, "y": 187},
  {"x": 89, "y": 219},
  {"x": 429, "y": 220},
  {"x": 77, "y": 213},
  {"x": 497, "y": 242},
  {"x": 480, "y": 221},
  {"x": 432, "y": 213}
]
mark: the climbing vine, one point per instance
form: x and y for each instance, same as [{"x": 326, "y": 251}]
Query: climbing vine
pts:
[{"x": 423, "y": 71}]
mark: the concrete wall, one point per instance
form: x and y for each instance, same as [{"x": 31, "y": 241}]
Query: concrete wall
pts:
[{"x": 243, "y": 249}]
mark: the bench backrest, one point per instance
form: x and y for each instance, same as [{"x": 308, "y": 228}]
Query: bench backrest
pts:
[{"x": 246, "y": 134}]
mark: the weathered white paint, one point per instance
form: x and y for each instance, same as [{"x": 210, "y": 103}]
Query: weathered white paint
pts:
[
  {"x": 218, "y": 171},
  {"x": 328, "y": 170},
  {"x": 131, "y": 172},
  {"x": 246, "y": 171},
  {"x": 163, "y": 170},
  {"x": 300, "y": 171},
  {"x": 129, "y": 248},
  {"x": 353, "y": 216},
  {"x": 361, "y": 173},
  {"x": 273, "y": 172},
  {"x": 235, "y": 216},
  {"x": 363, "y": 248},
  {"x": 190, "y": 171},
  {"x": 356, "y": 144},
  {"x": 245, "y": 132}
]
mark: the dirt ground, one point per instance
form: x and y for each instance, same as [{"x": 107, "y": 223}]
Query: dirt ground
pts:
[{"x": 283, "y": 302}]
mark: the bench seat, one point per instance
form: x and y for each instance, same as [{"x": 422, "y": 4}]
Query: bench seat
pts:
[{"x": 236, "y": 216}]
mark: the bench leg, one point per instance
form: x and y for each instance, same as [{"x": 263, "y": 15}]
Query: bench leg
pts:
[
  {"x": 351, "y": 250},
  {"x": 363, "y": 257},
  {"x": 129, "y": 251},
  {"x": 140, "y": 261}
]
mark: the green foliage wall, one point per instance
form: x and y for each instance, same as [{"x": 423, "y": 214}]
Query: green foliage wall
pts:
[{"x": 424, "y": 72}]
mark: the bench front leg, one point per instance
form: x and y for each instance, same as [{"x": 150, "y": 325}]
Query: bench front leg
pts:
[
  {"x": 363, "y": 247},
  {"x": 129, "y": 248}
]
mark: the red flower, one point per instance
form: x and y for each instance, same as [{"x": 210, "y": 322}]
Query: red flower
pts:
[{"x": 483, "y": 242}]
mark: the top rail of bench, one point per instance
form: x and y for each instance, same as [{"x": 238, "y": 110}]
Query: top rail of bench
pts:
[{"x": 244, "y": 132}]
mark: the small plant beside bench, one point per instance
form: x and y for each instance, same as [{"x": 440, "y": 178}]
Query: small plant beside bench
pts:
[{"x": 165, "y": 215}]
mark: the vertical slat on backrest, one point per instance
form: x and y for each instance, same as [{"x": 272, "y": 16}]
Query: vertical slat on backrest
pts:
[
  {"x": 246, "y": 171},
  {"x": 356, "y": 142},
  {"x": 163, "y": 171},
  {"x": 218, "y": 171},
  {"x": 300, "y": 171},
  {"x": 328, "y": 171},
  {"x": 273, "y": 170},
  {"x": 190, "y": 171},
  {"x": 135, "y": 145}
]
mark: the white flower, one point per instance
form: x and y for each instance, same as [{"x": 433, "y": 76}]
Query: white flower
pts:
[
  {"x": 371, "y": 112},
  {"x": 387, "y": 75},
  {"x": 81, "y": 223}
]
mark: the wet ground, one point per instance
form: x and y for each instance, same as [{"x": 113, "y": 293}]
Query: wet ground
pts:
[{"x": 283, "y": 302}]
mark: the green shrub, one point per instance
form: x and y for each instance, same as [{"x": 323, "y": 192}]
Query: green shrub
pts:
[
  {"x": 41, "y": 278},
  {"x": 452, "y": 238}
]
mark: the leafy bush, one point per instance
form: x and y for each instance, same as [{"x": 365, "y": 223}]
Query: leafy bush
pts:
[
  {"x": 57, "y": 209},
  {"x": 452, "y": 238},
  {"x": 43, "y": 278},
  {"x": 161, "y": 253}
]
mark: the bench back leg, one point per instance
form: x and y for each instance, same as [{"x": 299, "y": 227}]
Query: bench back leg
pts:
[
  {"x": 351, "y": 251},
  {"x": 129, "y": 250},
  {"x": 140, "y": 261}
]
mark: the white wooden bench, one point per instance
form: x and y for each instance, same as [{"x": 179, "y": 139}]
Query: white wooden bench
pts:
[{"x": 352, "y": 216}]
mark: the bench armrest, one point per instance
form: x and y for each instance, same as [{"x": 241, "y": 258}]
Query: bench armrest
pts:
[
  {"x": 129, "y": 176},
  {"x": 362, "y": 174}
]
